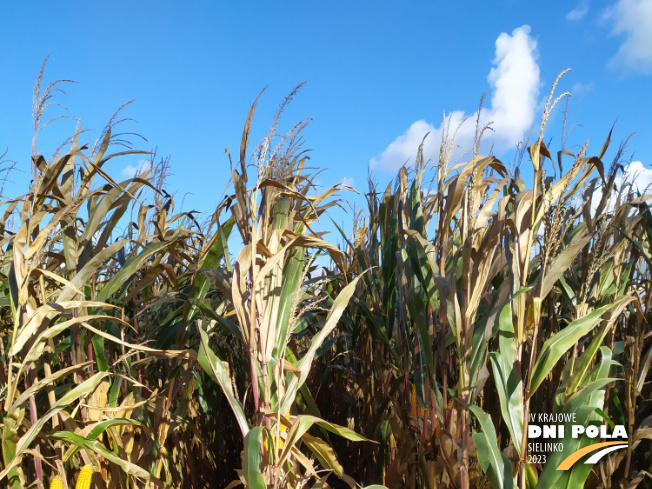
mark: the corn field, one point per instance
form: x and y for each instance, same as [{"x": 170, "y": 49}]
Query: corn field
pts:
[{"x": 157, "y": 348}]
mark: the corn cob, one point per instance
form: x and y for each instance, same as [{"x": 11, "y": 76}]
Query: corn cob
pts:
[
  {"x": 56, "y": 483},
  {"x": 282, "y": 428},
  {"x": 84, "y": 479}
]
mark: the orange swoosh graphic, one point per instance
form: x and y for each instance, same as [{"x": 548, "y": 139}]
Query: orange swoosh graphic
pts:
[{"x": 571, "y": 459}]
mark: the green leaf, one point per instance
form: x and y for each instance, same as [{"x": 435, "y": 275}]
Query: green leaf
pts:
[
  {"x": 583, "y": 404},
  {"x": 303, "y": 423},
  {"x": 131, "y": 266},
  {"x": 292, "y": 274},
  {"x": 252, "y": 458},
  {"x": 42, "y": 383},
  {"x": 89, "y": 270},
  {"x": 98, "y": 348},
  {"x": 101, "y": 427},
  {"x": 305, "y": 363},
  {"x": 562, "y": 262},
  {"x": 26, "y": 440},
  {"x": 212, "y": 259},
  {"x": 559, "y": 344},
  {"x": 496, "y": 465},
  {"x": 324, "y": 453},
  {"x": 218, "y": 370},
  {"x": 206, "y": 309},
  {"x": 97, "y": 447},
  {"x": 9, "y": 441},
  {"x": 507, "y": 375}
]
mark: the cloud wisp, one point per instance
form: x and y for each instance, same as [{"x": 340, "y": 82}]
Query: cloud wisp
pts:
[
  {"x": 514, "y": 81},
  {"x": 635, "y": 175},
  {"x": 577, "y": 13},
  {"x": 579, "y": 87},
  {"x": 130, "y": 171},
  {"x": 633, "y": 20}
]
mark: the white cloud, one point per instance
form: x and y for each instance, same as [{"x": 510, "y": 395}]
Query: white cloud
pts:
[
  {"x": 580, "y": 87},
  {"x": 131, "y": 171},
  {"x": 405, "y": 146},
  {"x": 636, "y": 175},
  {"x": 577, "y": 13},
  {"x": 633, "y": 19},
  {"x": 640, "y": 176},
  {"x": 348, "y": 181},
  {"x": 514, "y": 82}
]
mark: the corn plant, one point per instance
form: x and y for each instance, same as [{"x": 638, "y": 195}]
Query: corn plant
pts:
[{"x": 272, "y": 291}]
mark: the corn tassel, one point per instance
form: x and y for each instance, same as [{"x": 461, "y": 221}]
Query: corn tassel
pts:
[
  {"x": 84, "y": 479},
  {"x": 56, "y": 483}
]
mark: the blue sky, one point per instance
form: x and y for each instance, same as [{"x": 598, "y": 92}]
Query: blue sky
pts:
[{"x": 379, "y": 76}]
